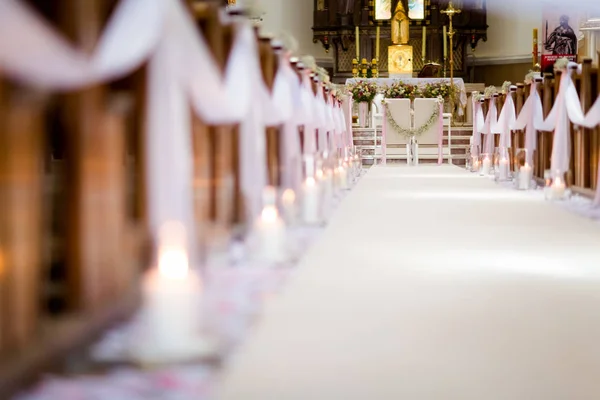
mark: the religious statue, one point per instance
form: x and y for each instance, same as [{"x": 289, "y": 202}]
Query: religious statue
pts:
[{"x": 400, "y": 24}]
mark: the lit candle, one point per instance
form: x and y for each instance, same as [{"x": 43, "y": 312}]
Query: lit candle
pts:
[
  {"x": 503, "y": 169},
  {"x": 171, "y": 294},
  {"x": 476, "y": 164},
  {"x": 357, "y": 34},
  {"x": 271, "y": 235},
  {"x": 341, "y": 176},
  {"x": 378, "y": 32},
  {"x": 310, "y": 201},
  {"x": 444, "y": 38},
  {"x": 424, "y": 50},
  {"x": 525, "y": 175},
  {"x": 558, "y": 188},
  {"x": 487, "y": 165},
  {"x": 288, "y": 201}
]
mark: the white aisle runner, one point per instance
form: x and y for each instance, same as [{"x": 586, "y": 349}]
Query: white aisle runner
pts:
[{"x": 433, "y": 283}]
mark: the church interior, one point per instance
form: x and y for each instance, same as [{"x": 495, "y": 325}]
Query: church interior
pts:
[{"x": 299, "y": 199}]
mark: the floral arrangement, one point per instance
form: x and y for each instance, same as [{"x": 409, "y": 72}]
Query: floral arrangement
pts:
[
  {"x": 506, "y": 87},
  {"x": 440, "y": 89},
  {"x": 477, "y": 96},
  {"x": 363, "y": 91},
  {"x": 401, "y": 90},
  {"x": 561, "y": 63},
  {"x": 490, "y": 91},
  {"x": 530, "y": 77}
]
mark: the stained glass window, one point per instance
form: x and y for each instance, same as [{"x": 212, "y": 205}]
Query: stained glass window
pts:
[
  {"x": 383, "y": 9},
  {"x": 416, "y": 9}
]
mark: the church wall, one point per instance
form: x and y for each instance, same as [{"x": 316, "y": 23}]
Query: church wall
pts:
[
  {"x": 510, "y": 32},
  {"x": 296, "y": 18}
]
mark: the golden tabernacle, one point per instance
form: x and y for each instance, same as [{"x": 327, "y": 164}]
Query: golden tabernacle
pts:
[{"x": 400, "y": 54}]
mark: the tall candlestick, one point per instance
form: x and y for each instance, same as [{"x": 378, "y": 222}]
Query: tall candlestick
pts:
[
  {"x": 378, "y": 31},
  {"x": 535, "y": 46},
  {"x": 444, "y": 38},
  {"x": 424, "y": 50},
  {"x": 357, "y": 34}
]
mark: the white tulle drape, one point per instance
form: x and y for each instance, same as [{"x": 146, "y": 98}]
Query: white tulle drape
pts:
[
  {"x": 531, "y": 115},
  {"x": 506, "y": 120},
  {"x": 478, "y": 122},
  {"x": 489, "y": 126},
  {"x": 182, "y": 71}
]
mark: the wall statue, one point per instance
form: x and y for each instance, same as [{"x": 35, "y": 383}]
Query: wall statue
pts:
[{"x": 400, "y": 24}]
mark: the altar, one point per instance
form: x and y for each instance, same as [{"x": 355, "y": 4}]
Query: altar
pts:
[{"x": 382, "y": 82}]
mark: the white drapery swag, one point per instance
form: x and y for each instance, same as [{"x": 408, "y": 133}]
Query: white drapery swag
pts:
[
  {"x": 478, "y": 122},
  {"x": 507, "y": 118},
  {"x": 531, "y": 116},
  {"x": 310, "y": 127},
  {"x": 181, "y": 71},
  {"x": 489, "y": 126}
]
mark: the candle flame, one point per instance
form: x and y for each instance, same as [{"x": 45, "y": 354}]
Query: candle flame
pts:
[
  {"x": 269, "y": 214},
  {"x": 289, "y": 197},
  {"x": 310, "y": 181},
  {"x": 319, "y": 174},
  {"x": 173, "y": 262}
]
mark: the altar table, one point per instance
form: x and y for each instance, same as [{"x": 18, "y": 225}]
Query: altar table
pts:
[
  {"x": 431, "y": 283},
  {"x": 417, "y": 81}
]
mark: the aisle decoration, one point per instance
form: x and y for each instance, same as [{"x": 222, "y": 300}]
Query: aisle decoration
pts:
[
  {"x": 491, "y": 119},
  {"x": 414, "y": 132},
  {"x": 531, "y": 115},
  {"x": 478, "y": 121},
  {"x": 363, "y": 93}
]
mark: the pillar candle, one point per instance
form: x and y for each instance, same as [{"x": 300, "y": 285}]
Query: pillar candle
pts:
[
  {"x": 503, "y": 169},
  {"x": 445, "y": 36},
  {"x": 357, "y": 34},
  {"x": 424, "y": 50},
  {"x": 271, "y": 235},
  {"x": 377, "y": 43},
  {"x": 486, "y": 166},
  {"x": 525, "y": 175},
  {"x": 310, "y": 201}
]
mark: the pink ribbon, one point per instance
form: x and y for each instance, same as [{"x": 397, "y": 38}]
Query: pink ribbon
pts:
[
  {"x": 441, "y": 134},
  {"x": 531, "y": 115},
  {"x": 477, "y": 116},
  {"x": 384, "y": 129}
]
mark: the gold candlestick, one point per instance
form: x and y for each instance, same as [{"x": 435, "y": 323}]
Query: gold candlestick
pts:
[
  {"x": 355, "y": 68},
  {"x": 451, "y": 12}
]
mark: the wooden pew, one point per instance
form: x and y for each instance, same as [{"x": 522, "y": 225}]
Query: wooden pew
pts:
[
  {"x": 70, "y": 246},
  {"x": 217, "y": 195}
]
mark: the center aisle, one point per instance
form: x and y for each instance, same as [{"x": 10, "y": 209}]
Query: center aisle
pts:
[{"x": 433, "y": 283}]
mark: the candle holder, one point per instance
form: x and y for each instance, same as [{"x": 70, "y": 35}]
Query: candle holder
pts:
[
  {"x": 486, "y": 164},
  {"x": 556, "y": 188},
  {"x": 473, "y": 161},
  {"x": 522, "y": 170},
  {"x": 310, "y": 196},
  {"x": 374, "y": 68},
  {"x": 168, "y": 328},
  {"x": 364, "y": 67},
  {"x": 355, "y": 68},
  {"x": 502, "y": 171},
  {"x": 268, "y": 241}
]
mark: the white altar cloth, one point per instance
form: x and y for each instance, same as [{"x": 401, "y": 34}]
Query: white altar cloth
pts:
[
  {"x": 418, "y": 81},
  {"x": 431, "y": 283}
]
